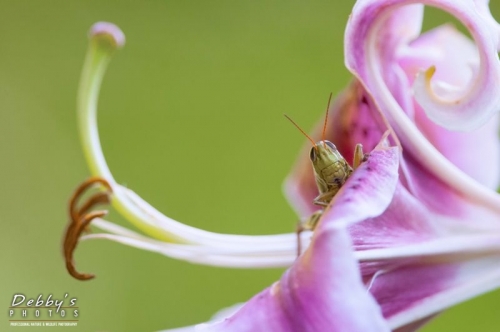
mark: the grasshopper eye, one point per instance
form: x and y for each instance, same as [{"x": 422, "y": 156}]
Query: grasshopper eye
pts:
[
  {"x": 331, "y": 145},
  {"x": 312, "y": 154}
]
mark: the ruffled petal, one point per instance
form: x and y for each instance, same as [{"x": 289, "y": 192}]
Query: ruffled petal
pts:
[
  {"x": 479, "y": 152},
  {"x": 422, "y": 256},
  {"x": 386, "y": 82},
  {"x": 414, "y": 289},
  {"x": 365, "y": 42}
]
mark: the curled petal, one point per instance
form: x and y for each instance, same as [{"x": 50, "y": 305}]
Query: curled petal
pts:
[
  {"x": 379, "y": 72},
  {"x": 479, "y": 152},
  {"x": 364, "y": 42}
]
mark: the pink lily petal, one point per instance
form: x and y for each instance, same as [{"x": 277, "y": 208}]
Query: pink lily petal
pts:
[
  {"x": 414, "y": 283},
  {"x": 439, "y": 268},
  {"x": 431, "y": 285},
  {"x": 365, "y": 35},
  {"x": 378, "y": 70},
  {"x": 439, "y": 47}
]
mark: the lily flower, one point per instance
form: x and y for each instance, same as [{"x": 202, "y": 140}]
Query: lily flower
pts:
[
  {"x": 439, "y": 236},
  {"x": 414, "y": 230}
]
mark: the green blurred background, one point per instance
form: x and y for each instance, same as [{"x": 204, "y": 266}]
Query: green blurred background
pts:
[{"x": 190, "y": 118}]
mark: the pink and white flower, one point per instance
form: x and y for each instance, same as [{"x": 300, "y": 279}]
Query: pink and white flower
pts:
[{"x": 415, "y": 230}]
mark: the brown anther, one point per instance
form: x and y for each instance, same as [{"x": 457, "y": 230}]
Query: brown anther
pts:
[
  {"x": 97, "y": 199},
  {"x": 80, "y": 219}
]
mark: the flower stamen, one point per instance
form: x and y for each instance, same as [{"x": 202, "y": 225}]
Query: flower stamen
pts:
[{"x": 80, "y": 219}]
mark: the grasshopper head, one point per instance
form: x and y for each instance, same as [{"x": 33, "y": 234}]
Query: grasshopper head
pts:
[{"x": 324, "y": 154}]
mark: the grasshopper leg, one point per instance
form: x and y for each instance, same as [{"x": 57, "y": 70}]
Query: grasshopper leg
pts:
[
  {"x": 359, "y": 156},
  {"x": 300, "y": 228},
  {"x": 307, "y": 225},
  {"x": 325, "y": 198}
]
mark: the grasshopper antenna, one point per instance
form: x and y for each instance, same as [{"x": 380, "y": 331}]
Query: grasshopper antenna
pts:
[
  {"x": 303, "y": 132},
  {"x": 326, "y": 119}
]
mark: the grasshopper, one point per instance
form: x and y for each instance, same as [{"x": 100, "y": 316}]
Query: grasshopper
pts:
[{"x": 331, "y": 171}]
